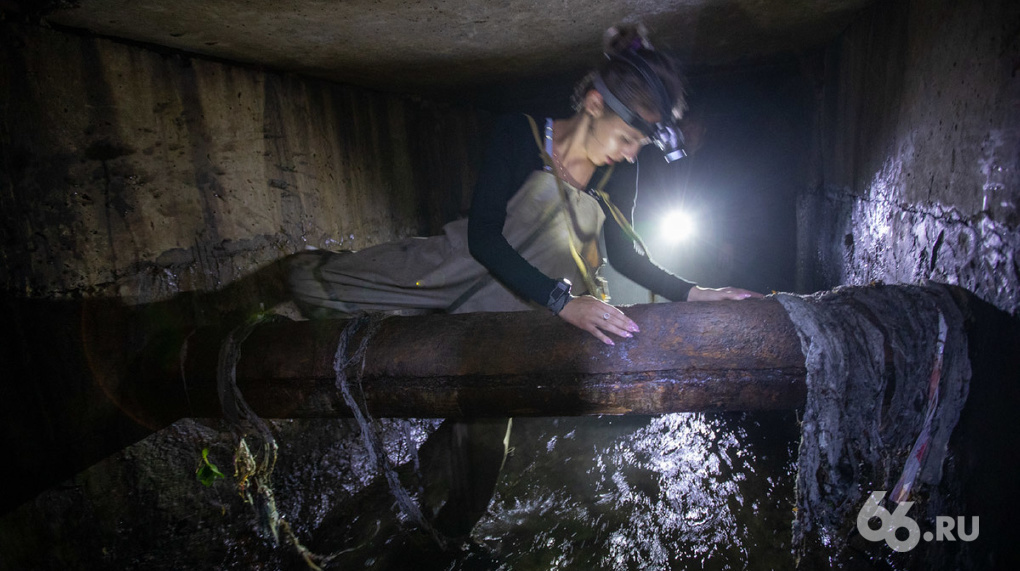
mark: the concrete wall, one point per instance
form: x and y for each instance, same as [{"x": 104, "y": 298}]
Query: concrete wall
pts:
[
  {"x": 918, "y": 152},
  {"x": 137, "y": 174},
  {"x": 128, "y": 174}
]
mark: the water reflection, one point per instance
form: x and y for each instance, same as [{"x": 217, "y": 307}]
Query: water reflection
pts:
[{"x": 679, "y": 491}]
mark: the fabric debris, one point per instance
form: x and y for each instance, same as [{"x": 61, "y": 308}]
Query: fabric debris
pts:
[{"x": 886, "y": 386}]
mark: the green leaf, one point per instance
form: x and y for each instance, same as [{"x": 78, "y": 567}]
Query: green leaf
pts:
[{"x": 208, "y": 473}]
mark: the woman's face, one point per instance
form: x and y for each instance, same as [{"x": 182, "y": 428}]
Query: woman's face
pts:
[{"x": 610, "y": 140}]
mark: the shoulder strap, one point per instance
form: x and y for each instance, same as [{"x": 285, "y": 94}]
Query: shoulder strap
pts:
[
  {"x": 599, "y": 192},
  {"x": 582, "y": 266},
  {"x": 625, "y": 225},
  {"x": 538, "y": 141},
  {"x": 549, "y": 162}
]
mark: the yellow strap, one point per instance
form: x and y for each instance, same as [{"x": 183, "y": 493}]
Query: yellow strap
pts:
[
  {"x": 586, "y": 274},
  {"x": 625, "y": 224}
]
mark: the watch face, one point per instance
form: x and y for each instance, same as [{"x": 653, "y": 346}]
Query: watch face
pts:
[
  {"x": 561, "y": 289},
  {"x": 559, "y": 296}
]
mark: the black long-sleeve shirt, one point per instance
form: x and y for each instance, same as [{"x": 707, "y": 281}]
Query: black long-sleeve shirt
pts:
[{"x": 511, "y": 156}]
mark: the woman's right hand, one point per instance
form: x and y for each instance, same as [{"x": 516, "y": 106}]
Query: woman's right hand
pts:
[
  {"x": 699, "y": 293},
  {"x": 595, "y": 317}
]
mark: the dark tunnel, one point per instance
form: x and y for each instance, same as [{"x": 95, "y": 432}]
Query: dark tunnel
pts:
[{"x": 155, "y": 179}]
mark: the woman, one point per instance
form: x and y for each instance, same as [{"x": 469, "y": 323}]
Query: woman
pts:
[{"x": 544, "y": 193}]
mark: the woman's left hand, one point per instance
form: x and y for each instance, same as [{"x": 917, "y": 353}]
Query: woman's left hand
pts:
[
  {"x": 698, "y": 293},
  {"x": 596, "y": 317}
]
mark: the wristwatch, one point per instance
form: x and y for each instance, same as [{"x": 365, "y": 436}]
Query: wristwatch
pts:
[{"x": 559, "y": 296}]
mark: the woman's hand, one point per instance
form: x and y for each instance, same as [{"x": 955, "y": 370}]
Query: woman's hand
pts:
[
  {"x": 698, "y": 293},
  {"x": 595, "y": 316}
]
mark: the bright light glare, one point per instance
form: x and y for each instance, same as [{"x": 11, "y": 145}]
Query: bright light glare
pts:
[{"x": 677, "y": 226}]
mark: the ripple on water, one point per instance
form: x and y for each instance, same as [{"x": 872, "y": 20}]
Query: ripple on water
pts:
[{"x": 667, "y": 492}]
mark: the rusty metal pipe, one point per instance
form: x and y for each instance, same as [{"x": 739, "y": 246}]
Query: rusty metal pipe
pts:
[
  {"x": 740, "y": 355},
  {"x": 90, "y": 377}
]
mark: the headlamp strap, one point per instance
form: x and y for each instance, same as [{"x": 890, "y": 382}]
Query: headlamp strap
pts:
[{"x": 629, "y": 117}]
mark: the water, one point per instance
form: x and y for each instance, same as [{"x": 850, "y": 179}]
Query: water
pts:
[
  {"x": 681, "y": 491},
  {"x": 678, "y": 491}
]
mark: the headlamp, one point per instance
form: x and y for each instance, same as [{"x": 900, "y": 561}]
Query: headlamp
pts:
[
  {"x": 666, "y": 133},
  {"x": 670, "y": 140}
]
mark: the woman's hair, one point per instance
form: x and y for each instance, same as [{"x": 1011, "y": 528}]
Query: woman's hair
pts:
[{"x": 625, "y": 81}]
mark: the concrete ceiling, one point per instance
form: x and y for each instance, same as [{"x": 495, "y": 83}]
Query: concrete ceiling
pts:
[{"x": 434, "y": 45}]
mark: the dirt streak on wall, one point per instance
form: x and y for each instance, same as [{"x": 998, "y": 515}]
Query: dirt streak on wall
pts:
[{"x": 137, "y": 174}]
